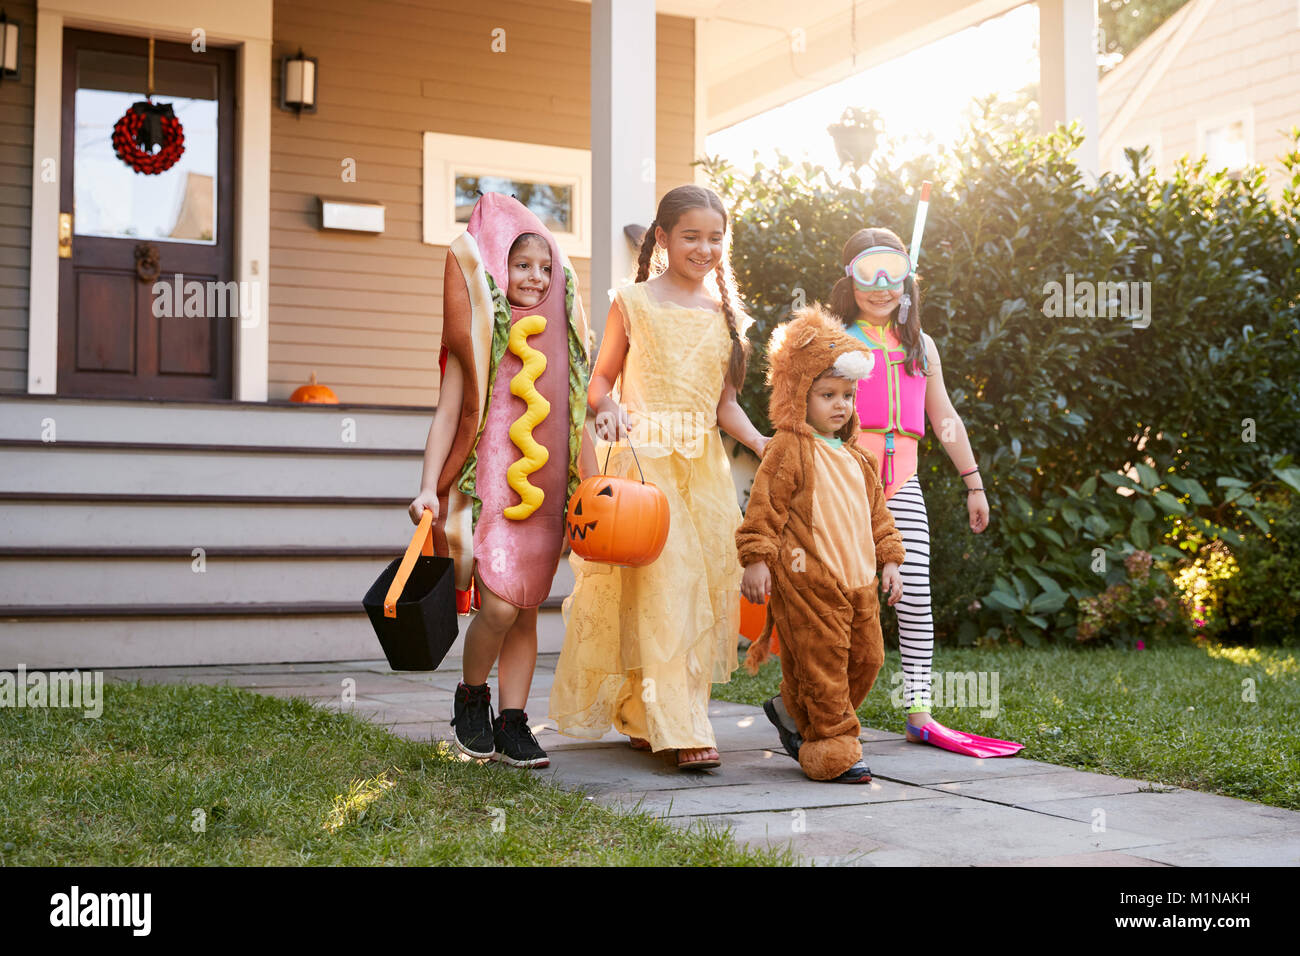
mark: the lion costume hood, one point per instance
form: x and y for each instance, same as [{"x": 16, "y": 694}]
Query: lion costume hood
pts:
[{"x": 800, "y": 351}]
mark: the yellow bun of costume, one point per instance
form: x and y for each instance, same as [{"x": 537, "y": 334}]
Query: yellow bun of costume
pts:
[{"x": 521, "y": 431}]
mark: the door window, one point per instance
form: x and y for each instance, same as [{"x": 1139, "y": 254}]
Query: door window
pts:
[{"x": 113, "y": 200}]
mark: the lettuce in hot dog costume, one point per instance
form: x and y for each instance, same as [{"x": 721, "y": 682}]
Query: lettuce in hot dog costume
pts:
[{"x": 504, "y": 488}]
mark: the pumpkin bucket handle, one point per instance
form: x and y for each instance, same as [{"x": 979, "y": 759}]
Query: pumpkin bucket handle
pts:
[
  {"x": 421, "y": 543},
  {"x": 605, "y": 470}
]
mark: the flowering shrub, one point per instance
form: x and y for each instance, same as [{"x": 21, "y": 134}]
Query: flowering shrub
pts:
[{"x": 1142, "y": 609}]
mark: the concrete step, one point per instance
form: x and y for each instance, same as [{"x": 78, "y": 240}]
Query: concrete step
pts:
[
  {"x": 168, "y": 577},
  {"x": 220, "y": 470},
  {"x": 42, "y": 418},
  {"x": 73, "y": 521},
  {"x": 154, "y": 642}
]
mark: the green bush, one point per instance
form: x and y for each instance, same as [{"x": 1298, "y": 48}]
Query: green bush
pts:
[
  {"x": 1103, "y": 432},
  {"x": 1260, "y": 603}
]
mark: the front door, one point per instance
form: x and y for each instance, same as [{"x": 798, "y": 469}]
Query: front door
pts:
[{"x": 121, "y": 333}]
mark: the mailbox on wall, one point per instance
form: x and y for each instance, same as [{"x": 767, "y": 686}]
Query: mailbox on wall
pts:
[{"x": 347, "y": 216}]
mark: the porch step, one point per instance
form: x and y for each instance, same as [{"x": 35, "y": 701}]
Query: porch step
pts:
[
  {"x": 68, "y": 519},
  {"x": 121, "y": 468},
  {"x": 41, "y": 418},
  {"x": 297, "y": 509},
  {"x": 102, "y": 582},
  {"x": 252, "y": 638}
]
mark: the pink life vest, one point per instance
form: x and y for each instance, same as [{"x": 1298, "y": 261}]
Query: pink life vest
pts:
[{"x": 891, "y": 399}]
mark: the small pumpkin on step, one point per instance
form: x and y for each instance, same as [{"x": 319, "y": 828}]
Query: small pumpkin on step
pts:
[{"x": 314, "y": 394}]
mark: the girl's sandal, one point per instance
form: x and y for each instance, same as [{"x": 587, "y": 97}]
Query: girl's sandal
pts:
[
  {"x": 636, "y": 743},
  {"x": 704, "y": 763}
]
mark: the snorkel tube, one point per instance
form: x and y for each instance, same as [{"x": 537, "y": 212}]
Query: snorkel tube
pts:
[{"x": 918, "y": 229}]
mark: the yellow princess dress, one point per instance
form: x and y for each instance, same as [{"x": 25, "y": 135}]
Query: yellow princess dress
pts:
[{"x": 643, "y": 645}]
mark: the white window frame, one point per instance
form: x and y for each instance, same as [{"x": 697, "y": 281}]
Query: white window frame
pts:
[
  {"x": 446, "y": 156},
  {"x": 1244, "y": 115}
]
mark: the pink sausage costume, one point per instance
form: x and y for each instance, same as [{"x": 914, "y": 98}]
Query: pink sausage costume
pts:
[
  {"x": 891, "y": 413},
  {"x": 504, "y": 489}
]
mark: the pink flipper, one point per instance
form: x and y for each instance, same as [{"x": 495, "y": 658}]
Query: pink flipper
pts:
[{"x": 971, "y": 745}]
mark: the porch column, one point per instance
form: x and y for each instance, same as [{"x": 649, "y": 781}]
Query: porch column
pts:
[
  {"x": 1068, "y": 71},
  {"x": 623, "y": 110},
  {"x": 43, "y": 298},
  {"x": 253, "y": 212}
]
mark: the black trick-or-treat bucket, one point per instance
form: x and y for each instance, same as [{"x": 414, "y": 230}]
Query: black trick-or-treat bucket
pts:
[{"x": 412, "y": 605}]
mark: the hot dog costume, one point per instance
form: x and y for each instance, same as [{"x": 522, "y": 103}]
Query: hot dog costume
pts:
[
  {"x": 504, "y": 488},
  {"x": 817, "y": 516}
]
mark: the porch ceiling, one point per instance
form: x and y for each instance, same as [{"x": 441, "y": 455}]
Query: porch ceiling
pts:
[{"x": 747, "y": 58}]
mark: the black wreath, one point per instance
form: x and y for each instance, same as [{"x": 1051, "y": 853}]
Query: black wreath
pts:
[{"x": 144, "y": 126}]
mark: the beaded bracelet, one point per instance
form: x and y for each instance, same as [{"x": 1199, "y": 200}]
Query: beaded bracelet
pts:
[{"x": 969, "y": 490}]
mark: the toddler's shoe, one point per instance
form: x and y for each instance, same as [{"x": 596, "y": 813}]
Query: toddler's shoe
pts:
[
  {"x": 790, "y": 738},
  {"x": 858, "y": 773},
  {"x": 471, "y": 717},
  {"x": 515, "y": 743}
]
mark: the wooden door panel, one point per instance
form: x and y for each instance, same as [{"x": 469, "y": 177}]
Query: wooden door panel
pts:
[
  {"x": 187, "y": 343},
  {"x": 106, "y": 322}
]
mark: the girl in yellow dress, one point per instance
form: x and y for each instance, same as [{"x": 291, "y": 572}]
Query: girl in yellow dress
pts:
[{"x": 643, "y": 645}]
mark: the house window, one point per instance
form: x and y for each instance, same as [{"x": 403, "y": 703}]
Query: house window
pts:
[
  {"x": 554, "y": 182},
  {"x": 1228, "y": 143},
  {"x": 552, "y": 202}
]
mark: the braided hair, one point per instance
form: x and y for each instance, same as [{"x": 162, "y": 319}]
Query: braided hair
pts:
[{"x": 671, "y": 207}]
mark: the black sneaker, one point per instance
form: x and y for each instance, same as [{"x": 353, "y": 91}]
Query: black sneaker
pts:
[
  {"x": 515, "y": 742},
  {"x": 790, "y": 739},
  {"x": 858, "y": 773},
  {"x": 471, "y": 716}
]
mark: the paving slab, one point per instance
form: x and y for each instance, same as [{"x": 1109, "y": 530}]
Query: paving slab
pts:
[
  {"x": 171, "y": 675},
  {"x": 1098, "y": 859},
  {"x": 432, "y": 699},
  {"x": 1272, "y": 849},
  {"x": 621, "y": 769},
  {"x": 793, "y": 795},
  {"x": 943, "y": 831},
  {"x": 1176, "y": 815},
  {"x": 1019, "y": 790}
]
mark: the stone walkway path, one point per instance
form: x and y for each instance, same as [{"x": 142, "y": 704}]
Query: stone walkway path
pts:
[{"x": 924, "y": 807}]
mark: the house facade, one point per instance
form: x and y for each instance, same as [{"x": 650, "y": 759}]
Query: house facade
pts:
[
  {"x": 1219, "y": 78},
  {"x": 161, "y": 499}
]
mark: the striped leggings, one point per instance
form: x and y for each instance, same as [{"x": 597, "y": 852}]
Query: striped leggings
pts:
[{"x": 915, "y": 619}]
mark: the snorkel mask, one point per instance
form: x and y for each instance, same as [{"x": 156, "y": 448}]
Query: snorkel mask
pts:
[
  {"x": 884, "y": 267},
  {"x": 879, "y": 267}
]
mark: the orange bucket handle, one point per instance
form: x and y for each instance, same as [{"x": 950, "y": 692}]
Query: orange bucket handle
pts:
[{"x": 421, "y": 543}]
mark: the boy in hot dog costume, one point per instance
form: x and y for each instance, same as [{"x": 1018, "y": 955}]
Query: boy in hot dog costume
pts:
[
  {"x": 815, "y": 532},
  {"x": 505, "y": 447}
]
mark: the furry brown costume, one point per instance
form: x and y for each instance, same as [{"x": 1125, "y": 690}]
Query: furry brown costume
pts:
[{"x": 831, "y": 644}]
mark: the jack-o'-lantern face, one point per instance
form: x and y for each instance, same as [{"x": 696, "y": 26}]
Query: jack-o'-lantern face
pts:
[
  {"x": 617, "y": 521},
  {"x": 578, "y": 523}
]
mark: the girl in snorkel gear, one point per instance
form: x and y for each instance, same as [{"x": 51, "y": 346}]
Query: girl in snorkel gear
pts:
[{"x": 879, "y": 302}]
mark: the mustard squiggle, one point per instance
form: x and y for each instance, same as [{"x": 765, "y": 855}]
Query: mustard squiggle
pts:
[{"x": 535, "y": 455}]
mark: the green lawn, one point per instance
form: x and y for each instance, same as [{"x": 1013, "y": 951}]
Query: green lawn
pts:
[
  {"x": 281, "y": 782},
  {"x": 1174, "y": 716}
]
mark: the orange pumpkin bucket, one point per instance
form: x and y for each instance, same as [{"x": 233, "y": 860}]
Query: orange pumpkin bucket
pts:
[
  {"x": 412, "y": 605},
  {"x": 618, "y": 521},
  {"x": 752, "y": 618}
]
